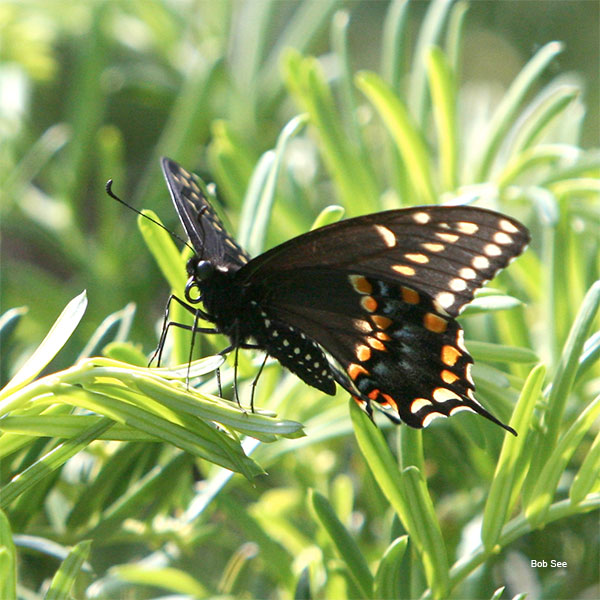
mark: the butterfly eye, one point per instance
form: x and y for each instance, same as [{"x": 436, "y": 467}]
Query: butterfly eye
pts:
[{"x": 200, "y": 270}]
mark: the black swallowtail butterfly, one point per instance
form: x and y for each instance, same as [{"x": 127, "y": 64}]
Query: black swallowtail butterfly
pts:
[{"x": 378, "y": 294}]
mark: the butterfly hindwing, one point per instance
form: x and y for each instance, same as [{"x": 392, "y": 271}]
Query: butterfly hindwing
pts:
[{"x": 395, "y": 348}]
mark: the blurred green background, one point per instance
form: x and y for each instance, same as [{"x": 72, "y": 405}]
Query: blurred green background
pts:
[
  {"x": 101, "y": 90},
  {"x": 97, "y": 90}
]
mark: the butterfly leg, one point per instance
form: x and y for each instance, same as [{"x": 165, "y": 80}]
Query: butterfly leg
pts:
[
  {"x": 236, "y": 347},
  {"x": 254, "y": 383},
  {"x": 166, "y": 324}
]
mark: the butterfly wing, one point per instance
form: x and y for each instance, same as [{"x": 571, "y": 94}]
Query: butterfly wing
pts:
[
  {"x": 205, "y": 230},
  {"x": 379, "y": 294},
  {"x": 445, "y": 252}
]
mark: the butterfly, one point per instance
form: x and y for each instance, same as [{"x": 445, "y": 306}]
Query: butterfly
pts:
[{"x": 369, "y": 303}]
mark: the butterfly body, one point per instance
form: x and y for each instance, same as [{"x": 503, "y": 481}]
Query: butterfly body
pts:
[{"x": 369, "y": 302}]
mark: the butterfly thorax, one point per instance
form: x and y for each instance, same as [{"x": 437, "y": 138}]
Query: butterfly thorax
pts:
[{"x": 223, "y": 299}]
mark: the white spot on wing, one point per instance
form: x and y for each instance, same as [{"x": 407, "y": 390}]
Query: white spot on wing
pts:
[
  {"x": 502, "y": 238},
  {"x": 467, "y": 273},
  {"x": 447, "y": 237},
  {"x": 387, "y": 235},
  {"x": 467, "y": 227},
  {"x": 444, "y": 394},
  {"x": 422, "y": 218},
  {"x": 508, "y": 226},
  {"x": 492, "y": 250},
  {"x": 430, "y": 417},
  {"x": 458, "y": 284},
  {"x": 445, "y": 299},
  {"x": 418, "y": 403},
  {"x": 480, "y": 262},
  {"x": 460, "y": 408}
]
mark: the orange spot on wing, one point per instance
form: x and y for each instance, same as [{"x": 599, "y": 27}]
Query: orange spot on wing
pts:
[
  {"x": 360, "y": 284},
  {"x": 355, "y": 370},
  {"x": 376, "y": 344},
  {"x": 449, "y": 376},
  {"x": 381, "y": 322},
  {"x": 390, "y": 400},
  {"x": 369, "y": 303},
  {"x": 435, "y": 323},
  {"x": 409, "y": 295},
  {"x": 450, "y": 355},
  {"x": 363, "y": 353}
]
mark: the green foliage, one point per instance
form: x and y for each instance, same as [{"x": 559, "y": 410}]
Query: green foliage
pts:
[{"x": 119, "y": 480}]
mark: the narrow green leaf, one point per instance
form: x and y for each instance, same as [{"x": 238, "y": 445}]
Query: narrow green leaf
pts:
[
  {"x": 586, "y": 481},
  {"x": 543, "y": 155},
  {"x": 231, "y": 160},
  {"x": 429, "y": 34},
  {"x": 259, "y": 199},
  {"x": 277, "y": 559},
  {"x": 339, "y": 43},
  {"x": 417, "y": 518},
  {"x": 537, "y": 509},
  {"x": 455, "y": 35},
  {"x": 394, "y": 44},
  {"x": 163, "y": 249},
  {"x": 344, "y": 543},
  {"x": 502, "y": 489},
  {"x": 330, "y": 214},
  {"x": 443, "y": 99},
  {"x": 115, "y": 327},
  {"x": 403, "y": 130},
  {"x": 427, "y": 530},
  {"x": 353, "y": 177},
  {"x": 101, "y": 491},
  {"x": 488, "y": 352},
  {"x": 567, "y": 367},
  {"x": 491, "y": 303},
  {"x": 187, "y": 118},
  {"x": 388, "y": 577},
  {"x": 498, "y": 593},
  {"x": 508, "y": 107},
  {"x": 8, "y": 560},
  {"x": 64, "y": 578},
  {"x": 51, "y": 461},
  {"x": 545, "y": 109},
  {"x": 173, "y": 580},
  {"x": 581, "y": 186},
  {"x": 9, "y": 321},
  {"x": 308, "y": 20},
  {"x": 68, "y": 426},
  {"x": 196, "y": 436},
  {"x": 56, "y": 338},
  {"x": 125, "y": 352},
  {"x": 128, "y": 503}
]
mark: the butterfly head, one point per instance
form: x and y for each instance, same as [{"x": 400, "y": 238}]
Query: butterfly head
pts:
[{"x": 198, "y": 271}]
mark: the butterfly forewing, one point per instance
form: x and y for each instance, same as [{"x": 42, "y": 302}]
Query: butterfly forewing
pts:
[
  {"x": 199, "y": 219},
  {"x": 377, "y": 294},
  {"x": 446, "y": 252}
]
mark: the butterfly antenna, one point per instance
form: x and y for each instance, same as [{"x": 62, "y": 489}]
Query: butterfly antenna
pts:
[{"x": 139, "y": 212}]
